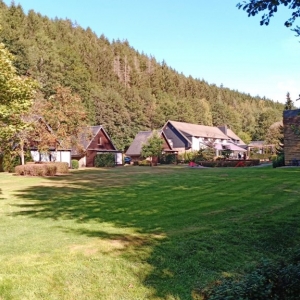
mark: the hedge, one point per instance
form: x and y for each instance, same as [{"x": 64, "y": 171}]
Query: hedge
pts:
[
  {"x": 62, "y": 167},
  {"x": 270, "y": 280},
  {"x": 104, "y": 160},
  {"x": 144, "y": 163},
  {"x": 230, "y": 163},
  {"x": 36, "y": 169},
  {"x": 75, "y": 164}
]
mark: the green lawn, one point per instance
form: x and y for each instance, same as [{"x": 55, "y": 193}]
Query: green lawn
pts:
[{"x": 140, "y": 232}]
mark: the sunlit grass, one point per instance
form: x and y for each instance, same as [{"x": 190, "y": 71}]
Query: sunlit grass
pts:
[{"x": 141, "y": 232}]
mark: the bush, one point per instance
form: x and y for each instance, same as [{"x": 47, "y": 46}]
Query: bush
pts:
[
  {"x": 186, "y": 157},
  {"x": 62, "y": 167},
  {"x": 230, "y": 163},
  {"x": 36, "y": 170},
  {"x": 270, "y": 280},
  {"x": 104, "y": 160},
  {"x": 278, "y": 161},
  {"x": 144, "y": 163},
  {"x": 75, "y": 164},
  {"x": 264, "y": 156},
  {"x": 10, "y": 161},
  {"x": 168, "y": 158}
]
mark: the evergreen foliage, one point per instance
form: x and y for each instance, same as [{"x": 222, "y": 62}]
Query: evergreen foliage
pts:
[
  {"x": 75, "y": 164},
  {"x": 289, "y": 103},
  {"x": 105, "y": 160},
  {"x": 122, "y": 89}
]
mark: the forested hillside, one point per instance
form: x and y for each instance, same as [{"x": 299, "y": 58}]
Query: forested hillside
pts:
[{"x": 122, "y": 89}]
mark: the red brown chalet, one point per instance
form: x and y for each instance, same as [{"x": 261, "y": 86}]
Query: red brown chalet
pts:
[{"x": 95, "y": 141}]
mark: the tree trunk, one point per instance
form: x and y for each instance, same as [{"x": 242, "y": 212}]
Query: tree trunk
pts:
[{"x": 22, "y": 153}]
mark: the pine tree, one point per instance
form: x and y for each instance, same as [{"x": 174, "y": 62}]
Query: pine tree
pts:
[{"x": 289, "y": 103}]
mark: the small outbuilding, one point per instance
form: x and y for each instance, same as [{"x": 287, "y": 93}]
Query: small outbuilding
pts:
[
  {"x": 95, "y": 140},
  {"x": 135, "y": 148}
]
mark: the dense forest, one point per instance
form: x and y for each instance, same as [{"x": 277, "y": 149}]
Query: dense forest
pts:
[{"x": 122, "y": 89}]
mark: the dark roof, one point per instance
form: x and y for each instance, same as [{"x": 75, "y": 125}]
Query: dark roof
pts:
[
  {"x": 136, "y": 146},
  {"x": 291, "y": 113},
  {"x": 233, "y": 136},
  {"x": 88, "y": 135},
  {"x": 140, "y": 139}
]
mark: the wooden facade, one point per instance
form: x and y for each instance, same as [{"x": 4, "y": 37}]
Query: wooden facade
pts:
[
  {"x": 93, "y": 143},
  {"x": 291, "y": 125}
]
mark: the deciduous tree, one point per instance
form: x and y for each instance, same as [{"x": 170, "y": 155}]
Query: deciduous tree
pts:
[
  {"x": 153, "y": 147},
  {"x": 62, "y": 120},
  {"x": 16, "y": 94},
  {"x": 270, "y": 7}
]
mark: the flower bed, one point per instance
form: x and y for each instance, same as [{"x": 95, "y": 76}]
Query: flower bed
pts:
[{"x": 230, "y": 163}]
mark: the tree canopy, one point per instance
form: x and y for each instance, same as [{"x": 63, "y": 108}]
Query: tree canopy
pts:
[
  {"x": 16, "y": 96},
  {"x": 270, "y": 7},
  {"x": 153, "y": 147},
  {"x": 62, "y": 120}
]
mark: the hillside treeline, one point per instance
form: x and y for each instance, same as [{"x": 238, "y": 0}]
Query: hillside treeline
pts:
[{"x": 122, "y": 89}]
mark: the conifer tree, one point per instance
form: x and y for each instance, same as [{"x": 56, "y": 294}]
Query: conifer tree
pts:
[{"x": 289, "y": 103}]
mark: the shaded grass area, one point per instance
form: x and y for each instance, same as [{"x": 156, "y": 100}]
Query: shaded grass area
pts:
[{"x": 140, "y": 232}]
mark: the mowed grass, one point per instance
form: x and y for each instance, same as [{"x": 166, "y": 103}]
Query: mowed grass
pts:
[{"x": 141, "y": 232}]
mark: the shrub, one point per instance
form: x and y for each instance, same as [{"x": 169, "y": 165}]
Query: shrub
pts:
[
  {"x": 278, "y": 161},
  {"x": 168, "y": 158},
  {"x": 230, "y": 163},
  {"x": 260, "y": 155},
  {"x": 10, "y": 161},
  {"x": 270, "y": 280},
  {"x": 62, "y": 167},
  {"x": 36, "y": 170},
  {"x": 75, "y": 164},
  {"x": 104, "y": 160},
  {"x": 144, "y": 163}
]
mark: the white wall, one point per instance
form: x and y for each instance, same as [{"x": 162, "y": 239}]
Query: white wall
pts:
[
  {"x": 196, "y": 143},
  {"x": 119, "y": 158},
  {"x": 61, "y": 156},
  {"x": 35, "y": 155},
  {"x": 82, "y": 162},
  {"x": 65, "y": 156}
]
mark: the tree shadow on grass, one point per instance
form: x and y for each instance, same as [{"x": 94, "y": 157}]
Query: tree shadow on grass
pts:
[{"x": 193, "y": 235}]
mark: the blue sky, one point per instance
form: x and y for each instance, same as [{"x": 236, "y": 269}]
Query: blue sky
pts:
[{"x": 207, "y": 39}]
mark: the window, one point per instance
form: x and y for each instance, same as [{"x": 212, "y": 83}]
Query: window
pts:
[{"x": 100, "y": 141}]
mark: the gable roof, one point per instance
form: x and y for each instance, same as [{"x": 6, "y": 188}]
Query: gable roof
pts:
[
  {"x": 140, "y": 139},
  {"x": 233, "y": 136},
  {"x": 88, "y": 135},
  {"x": 189, "y": 130}
]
